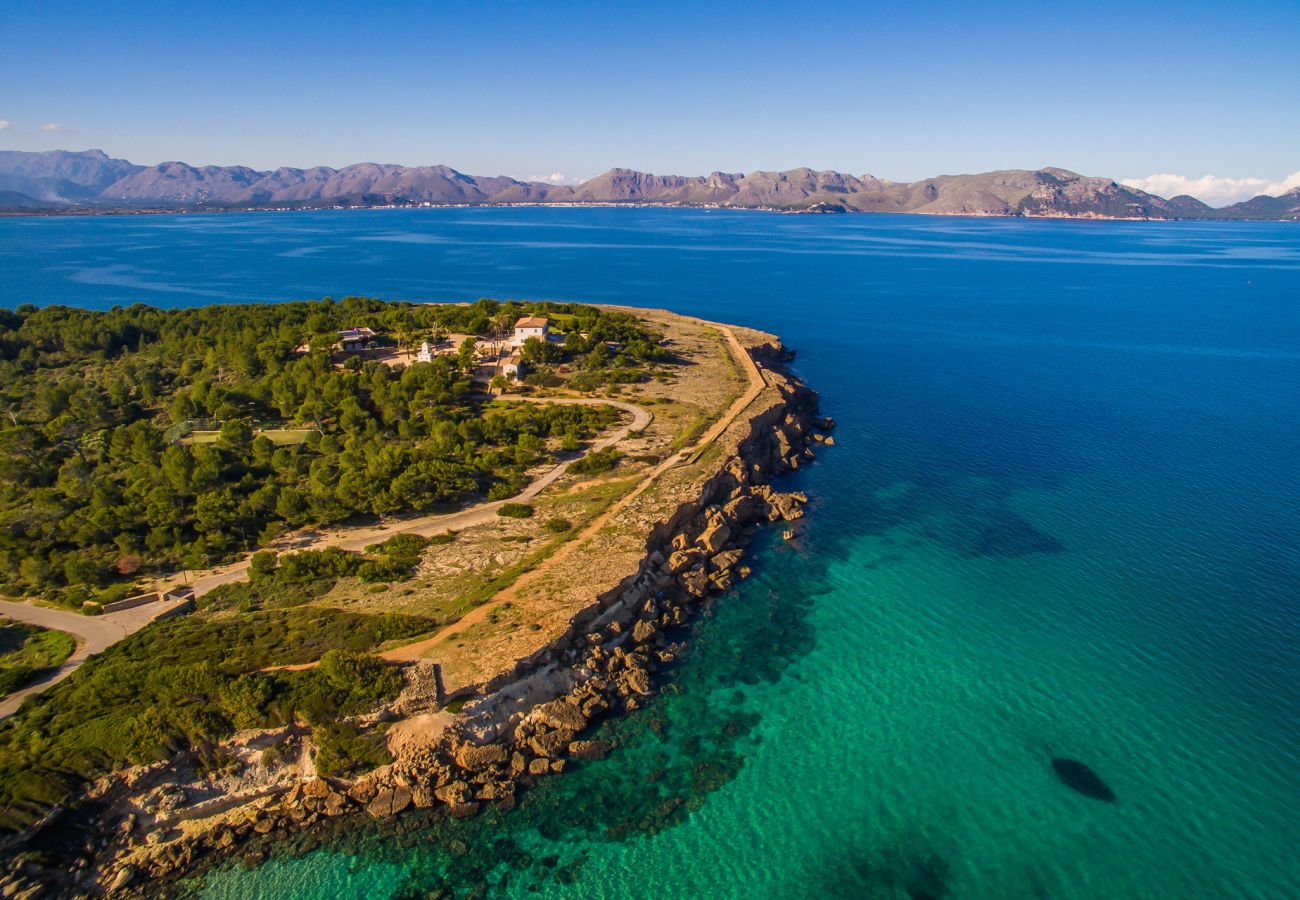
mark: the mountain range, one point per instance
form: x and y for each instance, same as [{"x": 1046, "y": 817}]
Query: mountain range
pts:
[{"x": 90, "y": 180}]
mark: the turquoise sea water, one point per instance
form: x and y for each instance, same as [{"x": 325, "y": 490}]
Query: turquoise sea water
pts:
[{"x": 1062, "y": 519}]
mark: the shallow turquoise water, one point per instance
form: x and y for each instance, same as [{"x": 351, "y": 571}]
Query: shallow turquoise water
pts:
[{"x": 1061, "y": 519}]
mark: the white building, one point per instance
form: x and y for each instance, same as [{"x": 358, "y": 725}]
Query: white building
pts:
[
  {"x": 509, "y": 365},
  {"x": 425, "y": 354},
  {"x": 354, "y": 340},
  {"x": 530, "y": 327}
]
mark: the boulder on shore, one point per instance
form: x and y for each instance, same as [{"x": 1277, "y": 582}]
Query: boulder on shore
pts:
[
  {"x": 561, "y": 714},
  {"x": 389, "y": 802},
  {"x": 589, "y": 749},
  {"x": 473, "y": 757}
]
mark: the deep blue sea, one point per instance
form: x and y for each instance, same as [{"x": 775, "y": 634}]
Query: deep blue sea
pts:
[{"x": 1062, "y": 518}]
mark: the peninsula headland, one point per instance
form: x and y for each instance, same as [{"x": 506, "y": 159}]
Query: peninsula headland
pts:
[{"x": 402, "y": 557}]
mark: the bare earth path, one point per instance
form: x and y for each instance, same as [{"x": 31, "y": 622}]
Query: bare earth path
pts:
[
  {"x": 96, "y": 633},
  {"x": 478, "y": 614},
  {"x": 427, "y": 526},
  {"x": 93, "y": 634}
]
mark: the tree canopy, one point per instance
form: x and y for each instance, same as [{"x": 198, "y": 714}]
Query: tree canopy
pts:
[{"x": 99, "y": 484}]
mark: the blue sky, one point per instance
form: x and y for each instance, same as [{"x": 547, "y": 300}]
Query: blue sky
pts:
[{"x": 901, "y": 91}]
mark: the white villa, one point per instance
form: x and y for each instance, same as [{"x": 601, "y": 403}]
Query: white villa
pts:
[
  {"x": 352, "y": 340},
  {"x": 425, "y": 354},
  {"x": 531, "y": 327},
  {"x": 356, "y": 339},
  {"x": 509, "y": 365}
]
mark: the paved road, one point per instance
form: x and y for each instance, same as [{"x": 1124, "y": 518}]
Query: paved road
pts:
[
  {"x": 427, "y": 526},
  {"x": 93, "y": 634}
]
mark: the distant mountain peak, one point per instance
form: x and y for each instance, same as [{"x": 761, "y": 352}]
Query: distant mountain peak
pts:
[{"x": 90, "y": 179}]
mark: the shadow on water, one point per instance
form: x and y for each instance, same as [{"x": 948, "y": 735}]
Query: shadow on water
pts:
[
  {"x": 1080, "y": 777},
  {"x": 909, "y": 868}
]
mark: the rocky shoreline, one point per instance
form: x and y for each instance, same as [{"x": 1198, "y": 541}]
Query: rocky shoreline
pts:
[{"x": 506, "y": 733}]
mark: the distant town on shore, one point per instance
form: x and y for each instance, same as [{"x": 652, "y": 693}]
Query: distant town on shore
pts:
[{"x": 90, "y": 181}]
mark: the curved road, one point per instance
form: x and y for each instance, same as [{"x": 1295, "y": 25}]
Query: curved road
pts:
[{"x": 93, "y": 634}]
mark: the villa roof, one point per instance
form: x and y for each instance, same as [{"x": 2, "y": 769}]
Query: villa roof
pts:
[
  {"x": 532, "y": 322},
  {"x": 363, "y": 331}
]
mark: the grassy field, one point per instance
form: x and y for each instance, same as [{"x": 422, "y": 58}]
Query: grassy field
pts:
[
  {"x": 278, "y": 436},
  {"x": 27, "y": 651}
]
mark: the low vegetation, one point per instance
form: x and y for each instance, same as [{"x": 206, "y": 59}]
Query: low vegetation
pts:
[
  {"x": 27, "y": 652},
  {"x": 344, "y": 749},
  {"x": 185, "y": 683},
  {"x": 596, "y": 462},
  {"x": 515, "y": 510}
]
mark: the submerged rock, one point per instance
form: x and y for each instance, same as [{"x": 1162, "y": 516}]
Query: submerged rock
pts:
[{"x": 1076, "y": 775}]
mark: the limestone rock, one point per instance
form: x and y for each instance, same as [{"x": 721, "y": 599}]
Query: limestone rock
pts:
[
  {"x": 389, "y": 802},
  {"x": 680, "y": 561},
  {"x": 123, "y": 878},
  {"x": 589, "y": 749},
  {"x": 454, "y": 792},
  {"x": 696, "y": 582},
  {"x": 472, "y": 757},
  {"x": 562, "y": 713},
  {"x": 726, "y": 559},
  {"x": 638, "y": 681},
  {"x": 552, "y": 744},
  {"x": 715, "y": 537},
  {"x": 361, "y": 791},
  {"x": 317, "y": 789},
  {"x": 335, "y": 805}
]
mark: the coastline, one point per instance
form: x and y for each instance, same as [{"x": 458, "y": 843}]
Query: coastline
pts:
[
  {"x": 468, "y": 738},
  {"x": 630, "y": 204}
]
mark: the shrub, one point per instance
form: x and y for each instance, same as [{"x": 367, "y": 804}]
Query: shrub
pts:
[
  {"x": 12, "y": 679},
  {"x": 360, "y": 674},
  {"x": 114, "y": 593},
  {"x": 515, "y": 510},
  {"x": 596, "y": 462},
  {"x": 558, "y": 525},
  {"x": 344, "y": 749}
]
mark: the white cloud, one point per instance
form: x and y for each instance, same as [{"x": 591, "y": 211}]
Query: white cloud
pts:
[
  {"x": 1212, "y": 189},
  {"x": 4, "y": 123},
  {"x": 55, "y": 126},
  {"x": 556, "y": 178}
]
